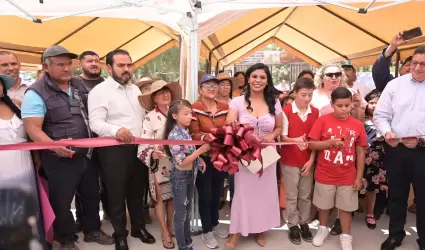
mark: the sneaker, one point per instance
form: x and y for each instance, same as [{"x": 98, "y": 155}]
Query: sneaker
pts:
[
  {"x": 336, "y": 229},
  {"x": 221, "y": 232},
  {"x": 306, "y": 234},
  {"x": 294, "y": 235},
  {"x": 99, "y": 237},
  {"x": 68, "y": 246},
  {"x": 209, "y": 240},
  {"x": 320, "y": 237},
  {"x": 346, "y": 242}
]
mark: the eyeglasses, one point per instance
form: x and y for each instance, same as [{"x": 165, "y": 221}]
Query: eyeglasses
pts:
[
  {"x": 210, "y": 86},
  {"x": 415, "y": 63},
  {"x": 331, "y": 75}
]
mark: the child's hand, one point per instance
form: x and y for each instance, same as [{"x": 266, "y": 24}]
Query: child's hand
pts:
[
  {"x": 156, "y": 155},
  {"x": 305, "y": 171},
  {"x": 204, "y": 166},
  {"x": 357, "y": 185},
  {"x": 204, "y": 148},
  {"x": 301, "y": 146},
  {"x": 337, "y": 142}
]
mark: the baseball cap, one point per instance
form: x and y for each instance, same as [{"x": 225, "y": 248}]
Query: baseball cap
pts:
[
  {"x": 347, "y": 64},
  {"x": 57, "y": 50},
  {"x": 206, "y": 78}
]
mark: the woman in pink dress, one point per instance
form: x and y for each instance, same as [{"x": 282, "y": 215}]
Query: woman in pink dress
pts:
[{"x": 255, "y": 205}]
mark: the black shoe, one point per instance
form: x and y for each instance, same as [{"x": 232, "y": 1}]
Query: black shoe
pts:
[
  {"x": 121, "y": 244},
  {"x": 144, "y": 236},
  {"x": 68, "y": 246},
  {"x": 99, "y": 237},
  {"x": 336, "y": 229},
  {"x": 294, "y": 235},
  {"x": 390, "y": 244},
  {"x": 146, "y": 216},
  {"x": 78, "y": 226},
  {"x": 306, "y": 234}
]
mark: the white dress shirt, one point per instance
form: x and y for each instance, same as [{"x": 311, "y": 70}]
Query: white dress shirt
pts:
[
  {"x": 19, "y": 92},
  {"x": 113, "y": 106},
  {"x": 297, "y": 111},
  {"x": 401, "y": 108}
]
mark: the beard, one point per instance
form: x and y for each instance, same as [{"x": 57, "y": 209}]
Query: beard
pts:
[
  {"x": 91, "y": 74},
  {"x": 120, "y": 79}
]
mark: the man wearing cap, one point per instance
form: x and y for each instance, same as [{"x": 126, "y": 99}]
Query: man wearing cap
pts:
[
  {"x": 381, "y": 69},
  {"x": 55, "y": 108},
  {"x": 10, "y": 65},
  {"x": 114, "y": 111},
  {"x": 90, "y": 65},
  {"x": 351, "y": 78}
]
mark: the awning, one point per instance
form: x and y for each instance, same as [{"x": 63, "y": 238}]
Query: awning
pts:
[
  {"x": 143, "y": 40},
  {"x": 317, "y": 34}
]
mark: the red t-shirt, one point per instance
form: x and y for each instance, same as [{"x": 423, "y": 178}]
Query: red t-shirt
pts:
[{"x": 336, "y": 166}]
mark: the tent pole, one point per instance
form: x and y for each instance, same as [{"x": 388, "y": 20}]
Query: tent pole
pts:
[
  {"x": 33, "y": 18},
  {"x": 387, "y": 5},
  {"x": 142, "y": 4},
  {"x": 194, "y": 55}
]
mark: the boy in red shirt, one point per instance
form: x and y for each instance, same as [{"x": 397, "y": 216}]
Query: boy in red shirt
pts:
[
  {"x": 297, "y": 160},
  {"x": 341, "y": 142}
]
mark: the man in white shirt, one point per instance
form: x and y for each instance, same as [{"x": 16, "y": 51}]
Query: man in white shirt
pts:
[
  {"x": 10, "y": 65},
  {"x": 351, "y": 78},
  {"x": 114, "y": 111}
]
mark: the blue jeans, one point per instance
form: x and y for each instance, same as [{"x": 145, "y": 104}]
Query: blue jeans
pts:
[{"x": 182, "y": 182}]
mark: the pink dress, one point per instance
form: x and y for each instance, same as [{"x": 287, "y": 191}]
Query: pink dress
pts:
[{"x": 255, "y": 204}]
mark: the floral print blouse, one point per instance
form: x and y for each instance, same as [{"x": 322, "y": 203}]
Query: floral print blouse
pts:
[{"x": 180, "y": 152}]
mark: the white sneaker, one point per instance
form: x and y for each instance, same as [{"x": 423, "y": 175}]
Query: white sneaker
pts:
[
  {"x": 221, "y": 232},
  {"x": 346, "y": 242},
  {"x": 320, "y": 237},
  {"x": 209, "y": 240}
]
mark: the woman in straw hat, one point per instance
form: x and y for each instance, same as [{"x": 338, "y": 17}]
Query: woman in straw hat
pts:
[
  {"x": 225, "y": 87},
  {"x": 156, "y": 102}
]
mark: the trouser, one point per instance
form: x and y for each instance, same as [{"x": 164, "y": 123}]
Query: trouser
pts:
[
  {"x": 122, "y": 173},
  {"x": 208, "y": 185},
  {"x": 145, "y": 170},
  {"x": 66, "y": 176},
  {"x": 298, "y": 195},
  {"x": 405, "y": 167},
  {"x": 103, "y": 198},
  {"x": 182, "y": 187}
]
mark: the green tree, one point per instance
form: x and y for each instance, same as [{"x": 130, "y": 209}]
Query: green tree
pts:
[{"x": 165, "y": 66}]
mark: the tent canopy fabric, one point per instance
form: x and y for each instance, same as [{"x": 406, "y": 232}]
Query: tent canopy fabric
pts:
[
  {"x": 317, "y": 34},
  {"x": 143, "y": 40}
]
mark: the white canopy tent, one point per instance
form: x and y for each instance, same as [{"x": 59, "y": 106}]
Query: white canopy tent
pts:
[{"x": 194, "y": 20}]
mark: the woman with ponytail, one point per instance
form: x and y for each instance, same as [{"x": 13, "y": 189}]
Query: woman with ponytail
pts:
[{"x": 16, "y": 168}]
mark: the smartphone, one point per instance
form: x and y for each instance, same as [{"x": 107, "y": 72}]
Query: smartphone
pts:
[{"x": 410, "y": 34}]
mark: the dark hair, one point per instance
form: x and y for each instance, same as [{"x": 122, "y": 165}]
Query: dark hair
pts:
[
  {"x": 6, "y": 99},
  {"x": 270, "y": 91},
  {"x": 372, "y": 95},
  {"x": 16, "y": 230},
  {"x": 408, "y": 59},
  {"x": 420, "y": 50},
  {"x": 110, "y": 55},
  {"x": 303, "y": 83},
  {"x": 341, "y": 93},
  {"x": 305, "y": 72},
  {"x": 171, "y": 122},
  {"x": 5, "y": 52},
  {"x": 286, "y": 99},
  {"x": 244, "y": 76},
  {"x": 87, "y": 53}
]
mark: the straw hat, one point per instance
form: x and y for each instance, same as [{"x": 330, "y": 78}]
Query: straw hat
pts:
[
  {"x": 7, "y": 80},
  {"x": 143, "y": 81},
  {"x": 225, "y": 76},
  {"x": 146, "y": 100}
]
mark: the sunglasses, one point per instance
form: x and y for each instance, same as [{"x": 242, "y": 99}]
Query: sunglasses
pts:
[{"x": 331, "y": 75}]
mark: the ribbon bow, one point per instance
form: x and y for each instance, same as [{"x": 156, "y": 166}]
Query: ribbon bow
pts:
[{"x": 233, "y": 144}]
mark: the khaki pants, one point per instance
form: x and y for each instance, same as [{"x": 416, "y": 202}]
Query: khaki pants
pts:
[{"x": 298, "y": 195}]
